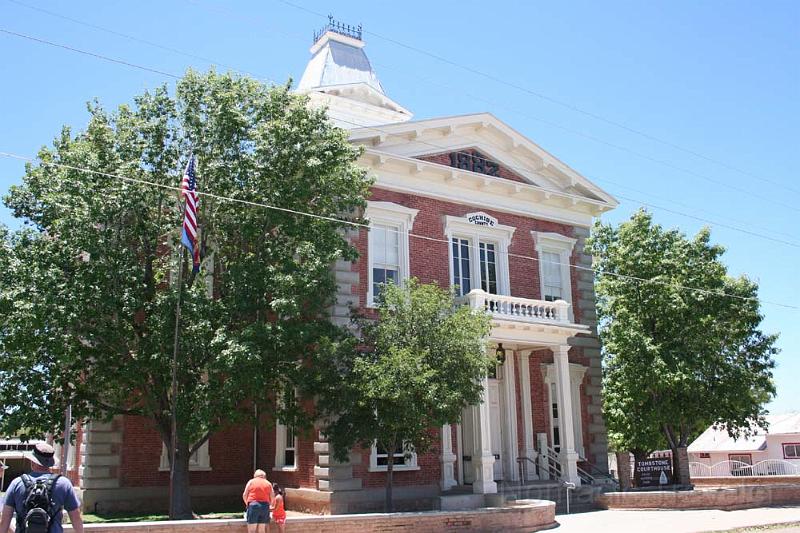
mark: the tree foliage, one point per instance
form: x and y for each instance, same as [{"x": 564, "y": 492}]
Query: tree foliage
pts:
[
  {"x": 416, "y": 367},
  {"x": 683, "y": 348},
  {"x": 88, "y": 290}
]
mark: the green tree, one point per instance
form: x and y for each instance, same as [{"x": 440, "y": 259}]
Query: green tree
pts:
[
  {"x": 416, "y": 367},
  {"x": 681, "y": 338},
  {"x": 89, "y": 293}
]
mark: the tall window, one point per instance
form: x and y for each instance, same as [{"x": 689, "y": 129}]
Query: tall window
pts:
[
  {"x": 388, "y": 253},
  {"x": 289, "y": 448},
  {"x": 488, "y": 259},
  {"x": 385, "y": 252},
  {"x": 461, "y": 269},
  {"x": 285, "y": 444},
  {"x": 552, "y": 282}
]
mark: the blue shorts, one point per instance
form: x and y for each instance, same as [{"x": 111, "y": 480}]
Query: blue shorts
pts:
[{"x": 258, "y": 513}]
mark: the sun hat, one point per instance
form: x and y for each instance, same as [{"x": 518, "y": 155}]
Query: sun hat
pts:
[{"x": 42, "y": 454}]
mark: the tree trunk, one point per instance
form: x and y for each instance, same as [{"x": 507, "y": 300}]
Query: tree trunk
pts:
[
  {"x": 180, "y": 501},
  {"x": 389, "y": 474},
  {"x": 624, "y": 470},
  {"x": 680, "y": 466}
]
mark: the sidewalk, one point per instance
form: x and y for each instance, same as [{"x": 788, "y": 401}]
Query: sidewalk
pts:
[{"x": 629, "y": 521}]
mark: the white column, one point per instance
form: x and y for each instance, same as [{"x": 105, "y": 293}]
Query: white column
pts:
[
  {"x": 569, "y": 457},
  {"x": 482, "y": 456},
  {"x": 448, "y": 459},
  {"x": 527, "y": 412},
  {"x": 511, "y": 452}
]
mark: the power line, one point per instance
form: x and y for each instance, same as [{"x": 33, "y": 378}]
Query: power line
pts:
[
  {"x": 367, "y": 226},
  {"x": 91, "y": 54},
  {"x": 131, "y": 37},
  {"x": 439, "y": 147},
  {"x": 556, "y": 101}
]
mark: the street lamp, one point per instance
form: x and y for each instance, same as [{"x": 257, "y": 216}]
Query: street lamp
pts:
[{"x": 500, "y": 353}]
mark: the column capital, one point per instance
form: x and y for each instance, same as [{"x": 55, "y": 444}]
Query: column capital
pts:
[{"x": 560, "y": 350}]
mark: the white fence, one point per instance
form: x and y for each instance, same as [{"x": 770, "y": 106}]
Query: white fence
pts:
[{"x": 769, "y": 467}]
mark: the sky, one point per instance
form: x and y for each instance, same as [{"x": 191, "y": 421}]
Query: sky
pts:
[{"x": 691, "y": 108}]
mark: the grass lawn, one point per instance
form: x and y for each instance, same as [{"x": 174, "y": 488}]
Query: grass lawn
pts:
[{"x": 91, "y": 518}]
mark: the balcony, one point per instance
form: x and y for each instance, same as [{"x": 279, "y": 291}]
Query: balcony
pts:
[
  {"x": 524, "y": 320},
  {"x": 518, "y": 309}
]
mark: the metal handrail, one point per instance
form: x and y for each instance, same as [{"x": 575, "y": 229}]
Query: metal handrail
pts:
[{"x": 523, "y": 471}]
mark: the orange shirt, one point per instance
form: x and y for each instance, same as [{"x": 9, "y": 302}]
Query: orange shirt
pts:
[
  {"x": 258, "y": 490},
  {"x": 279, "y": 511}
]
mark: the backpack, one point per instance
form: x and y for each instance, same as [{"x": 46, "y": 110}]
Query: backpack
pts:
[{"x": 39, "y": 509}]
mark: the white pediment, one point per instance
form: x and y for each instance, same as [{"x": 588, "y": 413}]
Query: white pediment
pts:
[{"x": 490, "y": 142}]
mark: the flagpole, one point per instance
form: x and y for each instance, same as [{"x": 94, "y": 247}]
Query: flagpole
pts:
[{"x": 174, "y": 385}]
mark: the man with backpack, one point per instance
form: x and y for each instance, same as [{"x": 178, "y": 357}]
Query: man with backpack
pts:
[{"x": 40, "y": 497}]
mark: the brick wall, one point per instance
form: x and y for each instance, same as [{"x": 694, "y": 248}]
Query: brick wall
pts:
[
  {"x": 230, "y": 451},
  {"x": 526, "y": 515},
  {"x": 741, "y": 497}
]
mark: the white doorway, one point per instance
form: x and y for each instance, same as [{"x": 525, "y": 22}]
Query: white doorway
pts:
[{"x": 497, "y": 427}]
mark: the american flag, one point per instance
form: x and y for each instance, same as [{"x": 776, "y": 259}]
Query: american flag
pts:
[{"x": 189, "y": 193}]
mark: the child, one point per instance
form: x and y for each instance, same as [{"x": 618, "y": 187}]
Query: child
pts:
[{"x": 278, "y": 511}]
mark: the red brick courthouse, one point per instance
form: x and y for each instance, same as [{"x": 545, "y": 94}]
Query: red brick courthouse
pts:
[{"x": 506, "y": 221}]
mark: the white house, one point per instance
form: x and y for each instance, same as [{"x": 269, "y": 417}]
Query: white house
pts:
[{"x": 772, "y": 452}]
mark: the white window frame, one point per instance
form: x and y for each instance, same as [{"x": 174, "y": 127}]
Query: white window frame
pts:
[
  {"x": 563, "y": 247},
  {"x": 499, "y": 235},
  {"x": 410, "y": 462},
  {"x": 280, "y": 449},
  {"x": 795, "y": 446},
  {"x": 402, "y": 219},
  {"x": 576, "y": 375},
  {"x": 199, "y": 462}
]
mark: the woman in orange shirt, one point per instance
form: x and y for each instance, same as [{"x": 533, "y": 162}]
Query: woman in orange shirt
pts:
[
  {"x": 257, "y": 498},
  {"x": 277, "y": 508}
]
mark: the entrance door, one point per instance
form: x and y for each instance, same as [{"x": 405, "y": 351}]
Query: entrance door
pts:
[{"x": 496, "y": 425}]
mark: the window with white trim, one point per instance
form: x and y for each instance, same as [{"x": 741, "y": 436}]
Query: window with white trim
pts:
[
  {"x": 384, "y": 247},
  {"x": 478, "y": 255},
  {"x": 286, "y": 441},
  {"x": 791, "y": 451},
  {"x": 552, "y": 282},
  {"x": 388, "y": 250},
  {"x": 555, "y": 251},
  {"x": 199, "y": 461},
  {"x": 488, "y": 262},
  {"x": 402, "y": 458},
  {"x": 462, "y": 274}
]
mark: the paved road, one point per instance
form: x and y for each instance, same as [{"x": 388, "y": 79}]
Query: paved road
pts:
[{"x": 677, "y": 521}]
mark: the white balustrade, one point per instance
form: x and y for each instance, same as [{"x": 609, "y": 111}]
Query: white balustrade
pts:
[{"x": 518, "y": 309}]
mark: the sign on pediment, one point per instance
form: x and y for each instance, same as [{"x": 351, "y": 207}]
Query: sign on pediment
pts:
[
  {"x": 481, "y": 219},
  {"x": 474, "y": 161}
]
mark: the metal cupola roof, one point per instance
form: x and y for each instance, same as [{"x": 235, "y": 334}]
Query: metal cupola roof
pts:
[
  {"x": 338, "y": 58},
  {"x": 340, "y": 77}
]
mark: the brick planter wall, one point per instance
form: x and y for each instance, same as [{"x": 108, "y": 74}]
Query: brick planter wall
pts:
[
  {"x": 742, "y": 497},
  {"x": 738, "y": 481},
  {"x": 527, "y": 515}
]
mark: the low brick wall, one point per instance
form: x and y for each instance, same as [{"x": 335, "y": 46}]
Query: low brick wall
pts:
[
  {"x": 525, "y": 515},
  {"x": 738, "y": 481},
  {"x": 741, "y": 497}
]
